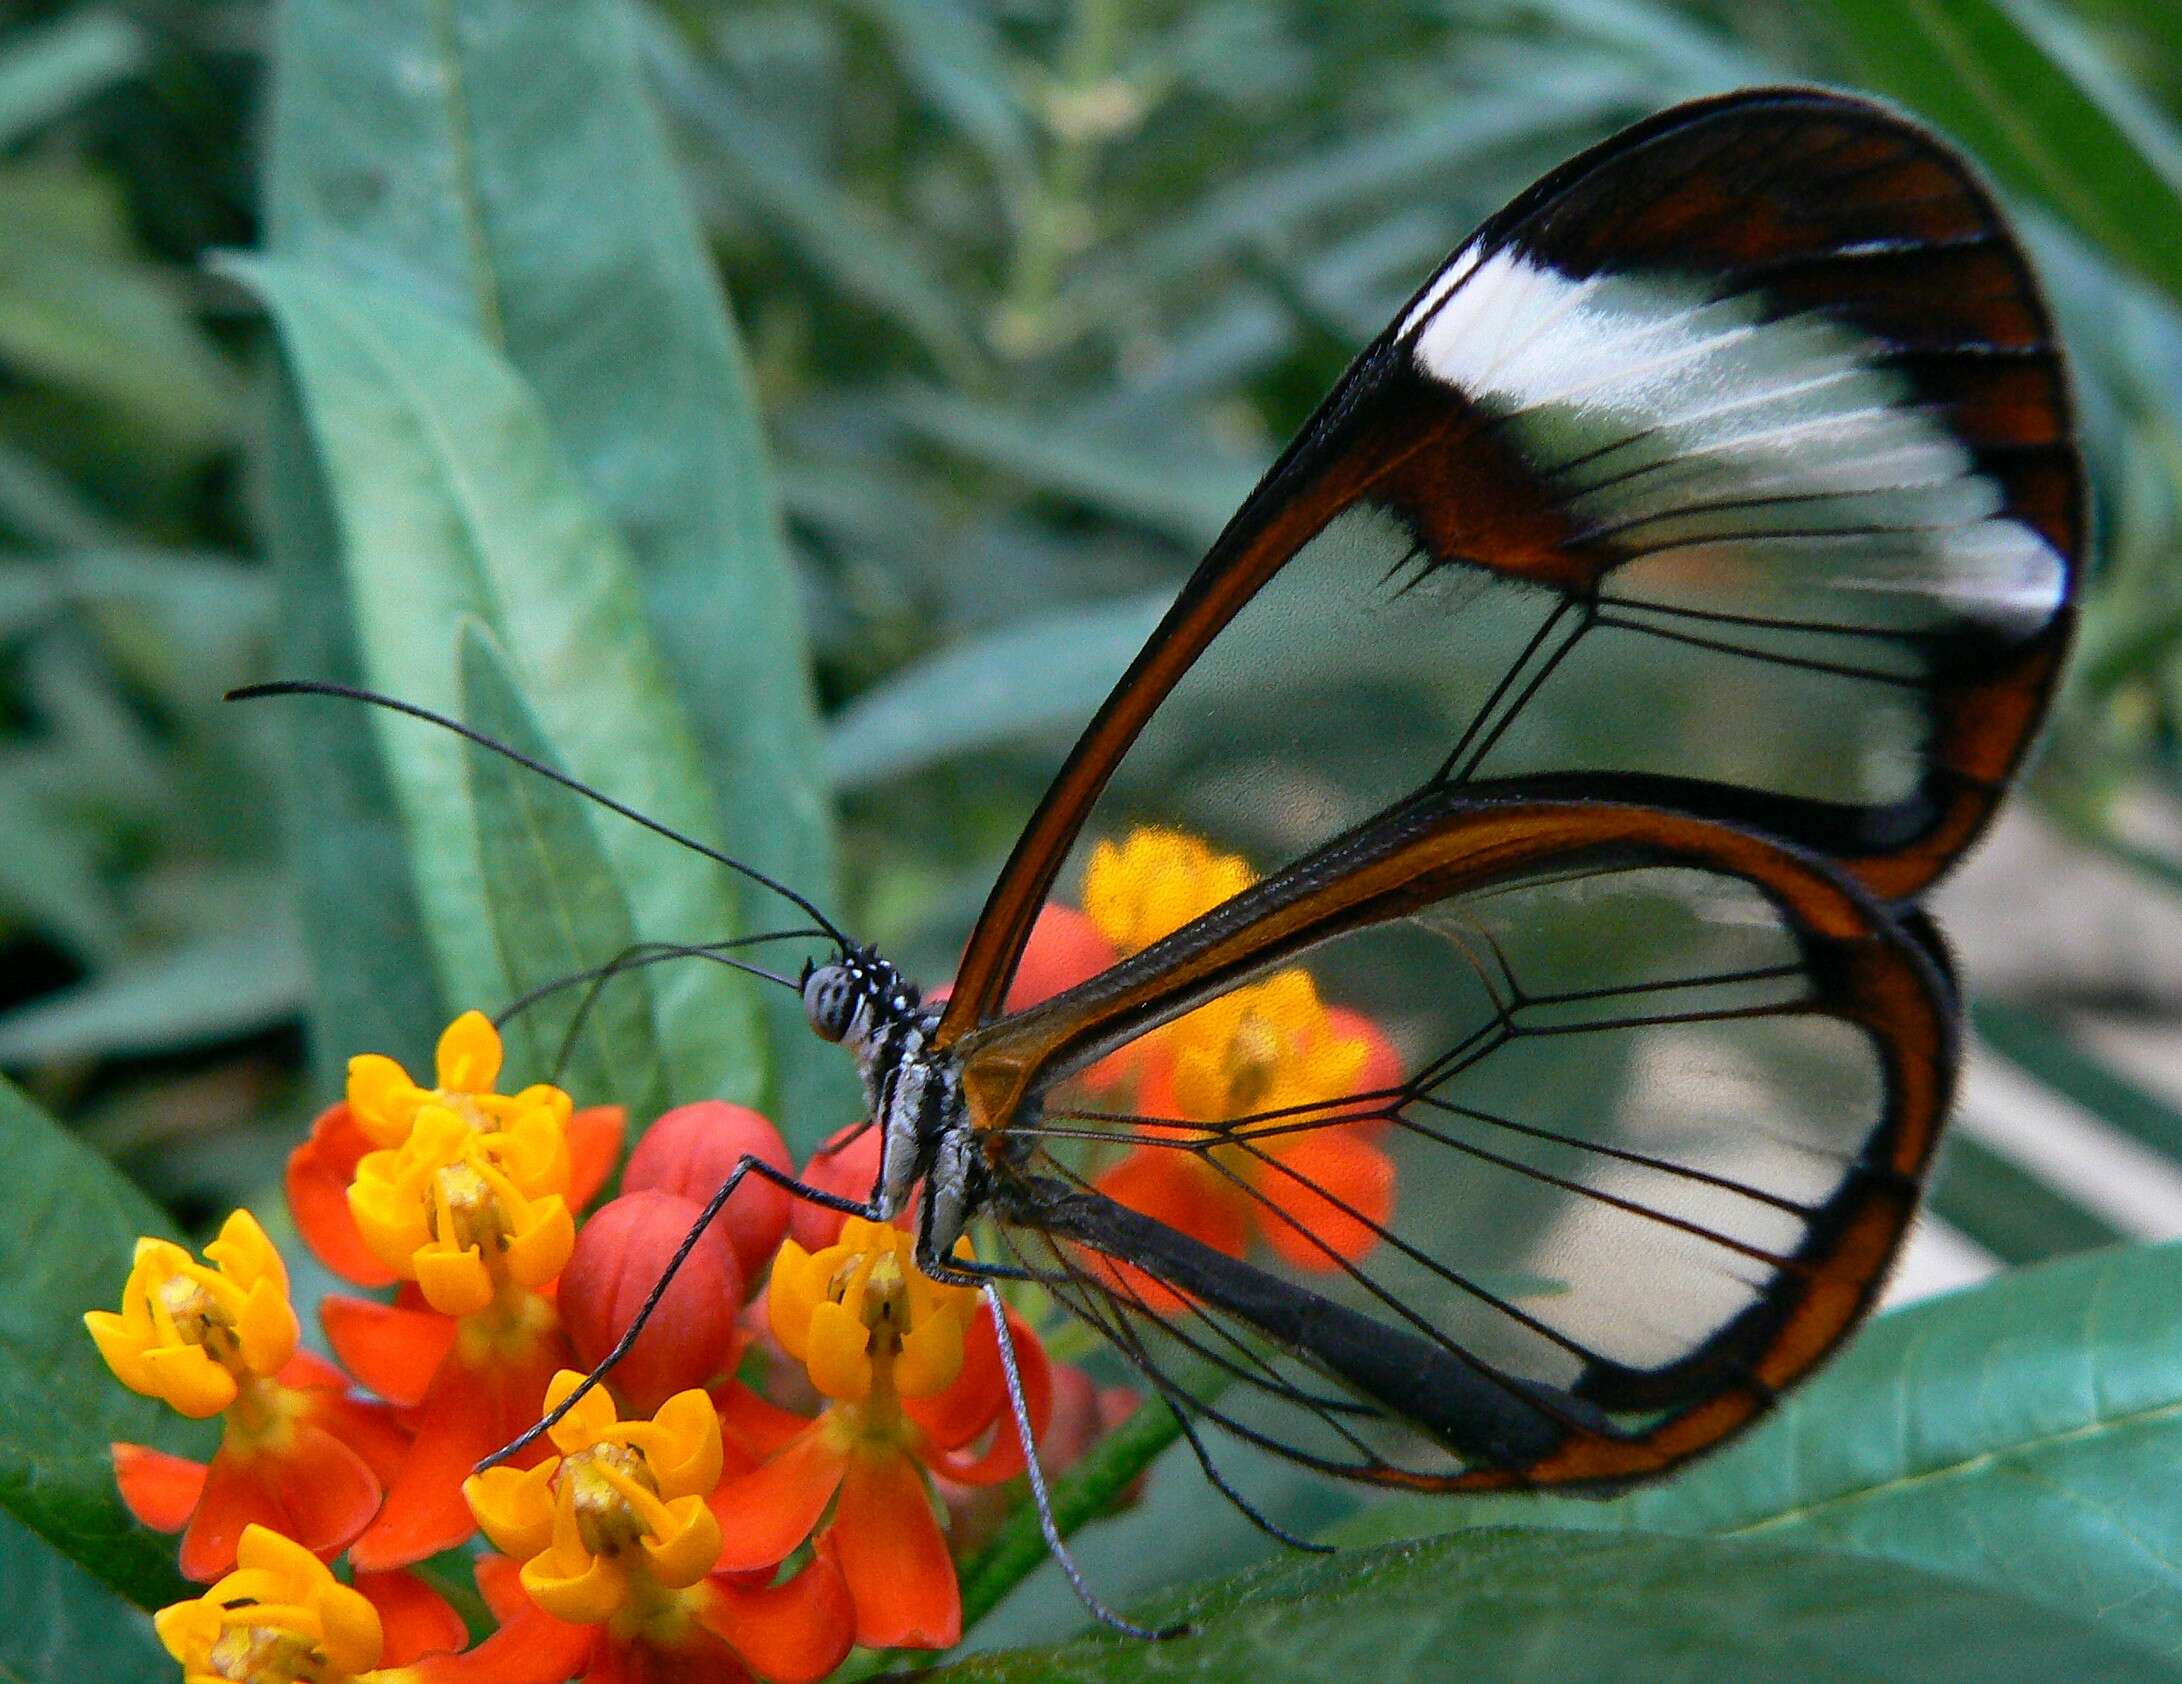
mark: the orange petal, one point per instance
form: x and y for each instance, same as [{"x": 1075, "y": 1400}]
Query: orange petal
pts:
[
  {"x": 319, "y": 1173},
  {"x": 375, "y": 1431},
  {"x": 766, "y": 1513},
  {"x": 957, "y": 1413},
  {"x": 391, "y": 1350},
  {"x": 500, "y": 1583},
  {"x": 791, "y": 1633},
  {"x": 414, "y": 1618},
  {"x": 1307, "y": 1227},
  {"x": 594, "y": 1142},
  {"x": 304, "y": 1372},
  {"x": 1170, "y": 1185},
  {"x": 893, "y": 1557},
  {"x": 1064, "y": 949},
  {"x": 751, "y": 1423},
  {"x": 464, "y": 1419},
  {"x": 162, "y": 1491},
  {"x": 325, "y": 1489},
  {"x": 1382, "y": 1068},
  {"x": 1003, "y": 1457},
  {"x": 531, "y": 1646},
  {"x": 233, "y": 1497}
]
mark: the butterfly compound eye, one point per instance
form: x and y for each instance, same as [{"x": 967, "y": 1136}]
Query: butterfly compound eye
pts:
[{"x": 829, "y": 1000}]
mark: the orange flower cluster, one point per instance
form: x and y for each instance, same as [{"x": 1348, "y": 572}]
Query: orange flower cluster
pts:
[
  {"x": 760, "y": 1487},
  {"x": 1272, "y": 1054},
  {"x": 688, "y": 1521}
]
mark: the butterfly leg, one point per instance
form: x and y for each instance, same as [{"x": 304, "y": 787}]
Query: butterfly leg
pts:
[
  {"x": 1019, "y": 1405},
  {"x": 747, "y": 1166},
  {"x": 1218, "y": 1481}
]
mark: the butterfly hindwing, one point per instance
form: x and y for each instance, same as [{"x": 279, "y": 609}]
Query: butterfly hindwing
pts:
[{"x": 1667, "y": 1095}]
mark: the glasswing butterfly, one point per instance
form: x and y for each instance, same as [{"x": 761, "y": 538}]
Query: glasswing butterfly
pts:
[{"x": 1650, "y": 614}]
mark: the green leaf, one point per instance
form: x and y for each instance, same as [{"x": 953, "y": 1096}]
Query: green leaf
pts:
[
  {"x": 844, "y": 240},
  {"x": 2022, "y": 1434},
  {"x": 499, "y": 163},
  {"x": 58, "y": 1623},
  {"x": 1162, "y": 484},
  {"x": 1035, "y": 676},
  {"x": 78, "y": 312},
  {"x": 65, "y": 1248},
  {"x": 48, "y": 70},
  {"x": 226, "y": 983},
  {"x": 373, "y": 985},
  {"x": 2028, "y": 97},
  {"x": 453, "y": 504},
  {"x": 555, "y": 905},
  {"x": 2008, "y": 1210},
  {"x": 1510, "y": 1606}
]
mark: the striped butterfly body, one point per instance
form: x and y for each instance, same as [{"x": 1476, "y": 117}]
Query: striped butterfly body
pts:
[{"x": 1516, "y": 1054}]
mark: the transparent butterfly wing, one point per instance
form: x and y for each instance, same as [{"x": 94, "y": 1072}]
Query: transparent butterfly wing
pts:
[
  {"x": 1666, "y": 1092},
  {"x": 1730, "y": 469}
]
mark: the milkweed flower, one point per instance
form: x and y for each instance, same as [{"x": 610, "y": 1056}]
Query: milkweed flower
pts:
[
  {"x": 297, "y": 1452},
  {"x": 466, "y": 1197},
  {"x": 1311, "y": 1183},
  {"x": 382, "y": 1106},
  {"x": 616, "y": 1547},
  {"x": 912, "y": 1369},
  {"x": 280, "y": 1617}
]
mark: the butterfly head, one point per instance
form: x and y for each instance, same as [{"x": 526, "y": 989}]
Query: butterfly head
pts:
[{"x": 848, "y": 998}]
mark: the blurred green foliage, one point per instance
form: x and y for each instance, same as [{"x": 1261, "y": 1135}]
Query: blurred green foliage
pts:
[{"x": 1028, "y": 294}]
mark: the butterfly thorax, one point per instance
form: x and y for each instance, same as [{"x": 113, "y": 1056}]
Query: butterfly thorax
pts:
[{"x": 913, "y": 1090}]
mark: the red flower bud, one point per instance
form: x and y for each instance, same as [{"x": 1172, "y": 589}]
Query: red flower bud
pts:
[
  {"x": 692, "y": 1149},
  {"x": 619, "y": 1253},
  {"x": 851, "y": 1171}
]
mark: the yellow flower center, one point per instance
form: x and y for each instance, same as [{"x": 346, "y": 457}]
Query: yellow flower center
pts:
[
  {"x": 466, "y": 1211},
  {"x": 1253, "y": 1060},
  {"x": 597, "y": 1481},
  {"x": 198, "y": 1317},
  {"x": 869, "y": 1325},
  {"x": 270, "y": 1655}
]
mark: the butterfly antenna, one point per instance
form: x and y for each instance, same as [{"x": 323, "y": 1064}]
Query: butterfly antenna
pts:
[{"x": 350, "y": 693}]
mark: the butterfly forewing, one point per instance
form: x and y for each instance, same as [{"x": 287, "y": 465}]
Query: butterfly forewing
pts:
[
  {"x": 1729, "y": 469},
  {"x": 1661, "y": 1099}
]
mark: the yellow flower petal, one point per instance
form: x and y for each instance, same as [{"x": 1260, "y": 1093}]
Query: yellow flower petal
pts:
[
  {"x": 468, "y": 1058},
  {"x": 687, "y": 1545},
  {"x": 455, "y": 1283},
  {"x": 514, "y": 1507},
  {"x": 682, "y": 1443},
  {"x": 585, "y": 1591},
  {"x": 838, "y": 1355},
  {"x": 793, "y": 1293},
  {"x": 539, "y": 1252},
  {"x": 267, "y": 1327},
  {"x": 589, "y": 1421},
  {"x": 244, "y": 1254},
  {"x": 931, "y": 1356},
  {"x": 190, "y": 1382},
  {"x": 123, "y": 1348}
]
